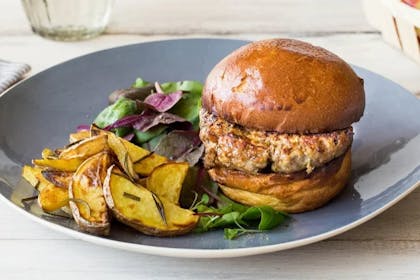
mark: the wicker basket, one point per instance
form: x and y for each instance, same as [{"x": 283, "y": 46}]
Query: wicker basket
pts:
[{"x": 398, "y": 23}]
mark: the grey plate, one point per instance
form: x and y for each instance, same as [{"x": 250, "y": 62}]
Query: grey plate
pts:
[{"x": 41, "y": 112}]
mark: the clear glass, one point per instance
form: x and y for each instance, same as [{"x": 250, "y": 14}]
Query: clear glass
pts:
[{"x": 68, "y": 20}]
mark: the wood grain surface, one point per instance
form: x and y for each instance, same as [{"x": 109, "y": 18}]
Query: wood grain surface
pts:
[{"x": 387, "y": 247}]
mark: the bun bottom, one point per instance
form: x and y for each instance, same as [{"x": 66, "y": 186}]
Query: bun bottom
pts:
[{"x": 292, "y": 193}]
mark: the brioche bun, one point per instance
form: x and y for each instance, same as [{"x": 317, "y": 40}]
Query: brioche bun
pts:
[
  {"x": 293, "y": 194},
  {"x": 286, "y": 86}
]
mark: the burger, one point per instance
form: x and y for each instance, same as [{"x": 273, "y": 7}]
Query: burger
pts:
[{"x": 276, "y": 124}]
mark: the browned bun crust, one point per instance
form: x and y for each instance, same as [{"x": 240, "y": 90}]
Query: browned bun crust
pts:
[
  {"x": 286, "y": 192},
  {"x": 285, "y": 85}
]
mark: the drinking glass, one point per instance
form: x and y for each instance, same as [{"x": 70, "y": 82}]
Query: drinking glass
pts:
[{"x": 68, "y": 20}]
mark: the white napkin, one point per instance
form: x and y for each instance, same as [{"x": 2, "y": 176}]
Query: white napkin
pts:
[{"x": 11, "y": 72}]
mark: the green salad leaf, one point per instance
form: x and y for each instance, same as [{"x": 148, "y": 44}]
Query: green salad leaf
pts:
[
  {"x": 121, "y": 108},
  {"x": 236, "y": 219},
  {"x": 189, "y": 106},
  {"x": 143, "y": 137},
  {"x": 139, "y": 83},
  {"x": 125, "y": 105}
]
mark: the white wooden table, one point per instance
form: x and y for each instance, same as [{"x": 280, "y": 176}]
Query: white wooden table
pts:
[{"x": 387, "y": 247}]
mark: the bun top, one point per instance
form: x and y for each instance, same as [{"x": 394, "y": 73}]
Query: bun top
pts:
[{"x": 285, "y": 85}]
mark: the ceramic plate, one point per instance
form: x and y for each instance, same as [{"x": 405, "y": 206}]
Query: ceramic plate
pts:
[{"x": 44, "y": 109}]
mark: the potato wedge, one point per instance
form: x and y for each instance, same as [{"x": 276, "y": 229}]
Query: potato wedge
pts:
[
  {"x": 31, "y": 174},
  {"x": 51, "y": 197},
  {"x": 86, "y": 148},
  {"x": 48, "y": 154},
  {"x": 95, "y": 130},
  {"x": 136, "y": 153},
  {"x": 60, "y": 179},
  {"x": 166, "y": 180},
  {"x": 80, "y": 135},
  {"x": 145, "y": 166},
  {"x": 86, "y": 196},
  {"x": 138, "y": 208},
  {"x": 117, "y": 146},
  {"x": 59, "y": 164}
]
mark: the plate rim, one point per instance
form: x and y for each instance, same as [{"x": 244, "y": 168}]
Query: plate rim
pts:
[
  {"x": 205, "y": 253},
  {"x": 186, "y": 252}
]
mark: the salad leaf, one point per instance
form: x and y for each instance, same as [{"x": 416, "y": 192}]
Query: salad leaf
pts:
[
  {"x": 143, "y": 137},
  {"x": 189, "y": 106},
  {"x": 148, "y": 119},
  {"x": 129, "y": 136},
  {"x": 82, "y": 127},
  {"x": 232, "y": 233},
  {"x": 121, "y": 108},
  {"x": 194, "y": 156},
  {"x": 131, "y": 93},
  {"x": 153, "y": 142},
  {"x": 225, "y": 203},
  {"x": 178, "y": 145},
  {"x": 140, "y": 83},
  {"x": 267, "y": 216},
  {"x": 185, "y": 86},
  {"x": 236, "y": 219},
  {"x": 127, "y": 121},
  {"x": 161, "y": 102}
]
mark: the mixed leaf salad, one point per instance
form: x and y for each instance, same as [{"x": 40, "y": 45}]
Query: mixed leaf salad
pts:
[{"x": 135, "y": 156}]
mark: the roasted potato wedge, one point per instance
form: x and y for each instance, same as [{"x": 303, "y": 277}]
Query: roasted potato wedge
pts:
[
  {"x": 145, "y": 166},
  {"x": 59, "y": 164},
  {"x": 80, "y": 135},
  {"x": 86, "y": 196},
  {"x": 139, "y": 208},
  {"x": 166, "y": 180},
  {"x": 136, "y": 153},
  {"x": 117, "y": 146},
  {"x": 95, "y": 130},
  {"x": 60, "y": 179},
  {"x": 51, "y": 197},
  {"x": 31, "y": 174},
  {"x": 86, "y": 148},
  {"x": 48, "y": 154}
]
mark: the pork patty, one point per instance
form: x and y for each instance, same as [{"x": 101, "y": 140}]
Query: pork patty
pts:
[{"x": 249, "y": 150}]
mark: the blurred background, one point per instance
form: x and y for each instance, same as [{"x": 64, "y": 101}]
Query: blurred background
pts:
[{"x": 341, "y": 26}]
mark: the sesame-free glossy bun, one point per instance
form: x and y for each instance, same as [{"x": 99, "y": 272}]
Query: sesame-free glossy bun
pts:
[
  {"x": 286, "y": 86},
  {"x": 282, "y": 191}
]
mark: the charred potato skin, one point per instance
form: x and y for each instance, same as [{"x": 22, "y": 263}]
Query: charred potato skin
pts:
[
  {"x": 137, "y": 226},
  {"x": 87, "y": 226},
  {"x": 97, "y": 228}
]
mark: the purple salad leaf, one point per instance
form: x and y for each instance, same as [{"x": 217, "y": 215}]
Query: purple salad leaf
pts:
[
  {"x": 180, "y": 145},
  {"x": 127, "y": 121},
  {"x": 160, "y": 102},
  {"x": 194, "y": 156},
  {"x": 82, "y": 127},
  {"x": 129, "y": 136},
  {"x": 151, "y": 119}
]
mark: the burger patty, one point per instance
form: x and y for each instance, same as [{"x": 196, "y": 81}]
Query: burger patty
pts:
[{"x": 250, "y": 150}]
